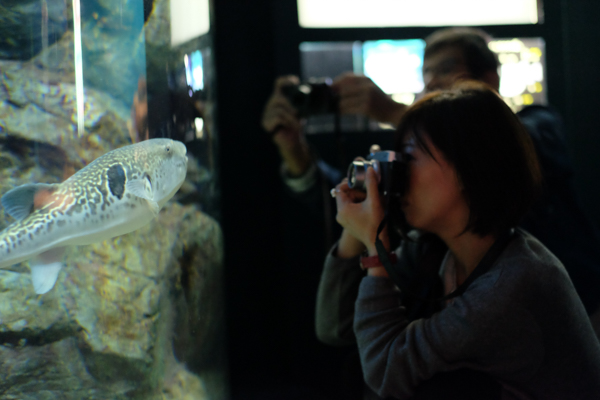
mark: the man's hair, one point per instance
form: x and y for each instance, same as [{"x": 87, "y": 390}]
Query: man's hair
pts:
[
  {"x": 488, "y": 146},
  {"x": 473, "y": 44}
]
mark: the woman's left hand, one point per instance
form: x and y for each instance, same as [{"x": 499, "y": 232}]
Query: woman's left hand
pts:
[{"x": 361, "y": 219}]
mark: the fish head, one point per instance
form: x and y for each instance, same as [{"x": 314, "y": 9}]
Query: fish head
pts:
[{"x": 167, "y": 167}]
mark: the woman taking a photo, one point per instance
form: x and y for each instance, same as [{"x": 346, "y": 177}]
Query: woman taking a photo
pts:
[{"x": 514, "y": 316}]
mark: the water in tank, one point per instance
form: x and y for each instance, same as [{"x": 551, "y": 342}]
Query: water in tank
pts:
[{"x": 111, "y": 249}]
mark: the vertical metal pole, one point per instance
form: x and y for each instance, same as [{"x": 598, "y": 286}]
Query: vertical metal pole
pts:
[{"x": 78, "y": 68}]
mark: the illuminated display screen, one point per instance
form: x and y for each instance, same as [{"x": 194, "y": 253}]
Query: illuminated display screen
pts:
[
  {"x": 395, "y": 66},
  {"x": 522, "y": 70},
  {"x": 194, "y": 70},
  {"x": 397, "y": 13}
]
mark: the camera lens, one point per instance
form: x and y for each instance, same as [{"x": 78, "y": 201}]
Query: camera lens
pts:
[{"x": 357, "y": 173}]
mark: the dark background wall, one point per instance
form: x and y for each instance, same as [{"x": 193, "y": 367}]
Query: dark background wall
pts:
[
  {"x": 581, "y": 60},
  {"x": 245, "y": 68},
  {"x": 257, "y": 40}
]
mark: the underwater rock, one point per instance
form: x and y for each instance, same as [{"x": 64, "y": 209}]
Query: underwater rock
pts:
[
  {"x": 127, "y": 282},
  {"x": 112, "y": 39},
  {"x": 27, "y": 84},
  {"x": 158, "y": 26},
  {"x": 112, "y": 45},
  {"x": 138, "y": 307},
  {"x": 127, "y": 303},
  {"x": 59, "y": 373},
  {"x": 39, "y": 105},
  {"x": 26, "y": 26}
]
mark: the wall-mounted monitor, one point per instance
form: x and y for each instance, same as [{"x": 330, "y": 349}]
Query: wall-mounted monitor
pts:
[
  {"x": 194, "y": 70},
  {"x": 522, "y": 70},
  {"x": 399, "y": 13},
  {"x": 395, "y": 66}
]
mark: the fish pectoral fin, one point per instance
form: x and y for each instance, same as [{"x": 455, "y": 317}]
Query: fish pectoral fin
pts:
[
  {"x": 45, "y": 268},
  {"x": 22, "y": 200},
  {"x": 140, "y": 188},
  {"x": 44, "y": 276}
]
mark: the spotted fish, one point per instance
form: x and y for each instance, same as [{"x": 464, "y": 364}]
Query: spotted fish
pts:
[{"x": 115, "y": 194}]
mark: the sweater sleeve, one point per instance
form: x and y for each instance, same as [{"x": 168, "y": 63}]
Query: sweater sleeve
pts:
[
  {"x": 336, "y": 295},
  {"x": 483, "y": 329}
]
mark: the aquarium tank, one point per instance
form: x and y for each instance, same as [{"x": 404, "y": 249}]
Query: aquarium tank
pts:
[{"x": 110, "y": 270}]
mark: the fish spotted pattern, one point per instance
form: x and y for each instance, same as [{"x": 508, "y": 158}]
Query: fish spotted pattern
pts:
[{"x": 117, "y": 193}]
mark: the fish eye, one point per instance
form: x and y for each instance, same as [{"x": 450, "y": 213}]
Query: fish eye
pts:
[{"x": 168, "y": 148}]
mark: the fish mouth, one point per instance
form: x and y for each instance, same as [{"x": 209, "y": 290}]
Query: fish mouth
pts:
[
  {"x": 181, "y": 147},
  {"x": 181, "y": 162}
]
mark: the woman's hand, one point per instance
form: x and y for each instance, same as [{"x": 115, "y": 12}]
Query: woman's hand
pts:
[{"x": 360, "y": 217}]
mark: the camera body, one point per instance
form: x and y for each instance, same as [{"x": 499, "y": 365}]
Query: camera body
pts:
[
  {"x": 313, "y": 98},
  {"x": 390, "y": 167}
]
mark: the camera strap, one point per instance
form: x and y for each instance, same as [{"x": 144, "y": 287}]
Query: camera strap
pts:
[{"x": 484, "y": 265}]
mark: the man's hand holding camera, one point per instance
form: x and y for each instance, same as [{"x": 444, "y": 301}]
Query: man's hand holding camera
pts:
[
  {"x": 281, "y": 120},
  {"x": 358, "y": 94},
  {"x": 348, "y": 94}
]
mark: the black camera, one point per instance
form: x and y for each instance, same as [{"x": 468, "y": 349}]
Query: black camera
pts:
[
  {"x": 391, "y": 169},
  {"x": 313, "y": 98}
]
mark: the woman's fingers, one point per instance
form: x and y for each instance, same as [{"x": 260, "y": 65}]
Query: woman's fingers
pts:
[
  {"x": 372, "y": 183},
  {"x": 341, "y": 191}
]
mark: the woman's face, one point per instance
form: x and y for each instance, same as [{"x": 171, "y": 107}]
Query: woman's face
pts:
[{"x": 434, "y": 201}]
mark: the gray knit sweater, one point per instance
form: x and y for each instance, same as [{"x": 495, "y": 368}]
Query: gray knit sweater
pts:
[{"x": 522, "y": 322}]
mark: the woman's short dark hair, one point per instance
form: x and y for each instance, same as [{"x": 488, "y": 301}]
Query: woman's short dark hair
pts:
[
  {"x": 472, "y": 42},
  {"x": 488, "y": 146}
]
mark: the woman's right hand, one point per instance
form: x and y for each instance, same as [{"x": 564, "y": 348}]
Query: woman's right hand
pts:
[
  {"x": 349, "y": 246},
  {"x": 360, "y": 216}
]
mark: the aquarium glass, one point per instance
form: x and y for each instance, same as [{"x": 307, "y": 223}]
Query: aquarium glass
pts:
[{"x": 111, "y": 249}]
